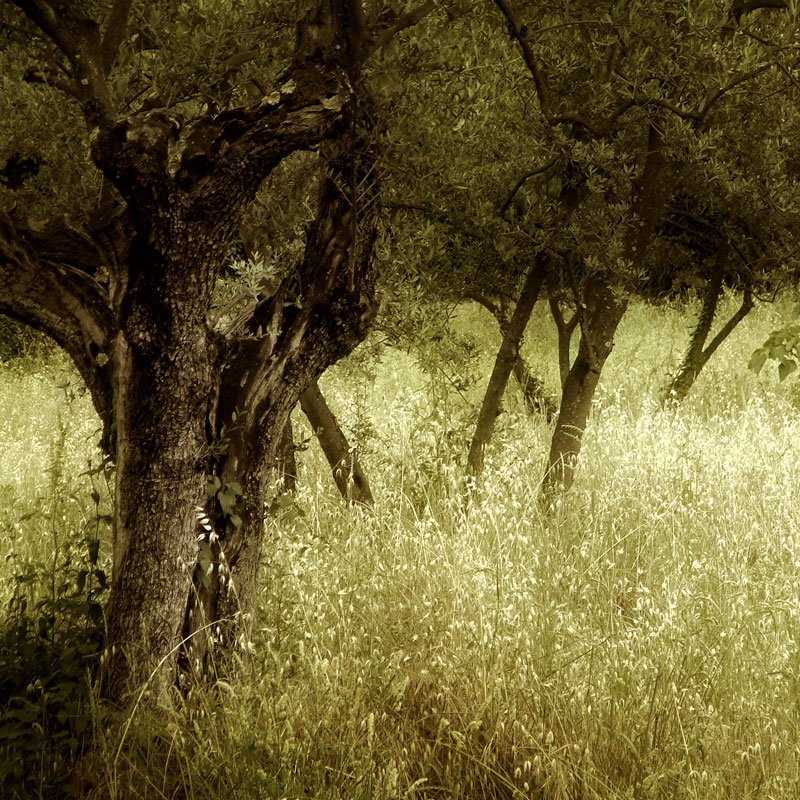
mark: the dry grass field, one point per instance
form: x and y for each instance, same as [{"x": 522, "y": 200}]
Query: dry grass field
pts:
[{"x": 641, "y": 639}]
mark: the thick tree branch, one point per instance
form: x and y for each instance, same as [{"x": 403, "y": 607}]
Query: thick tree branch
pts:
[
  {"x": 321, "y": 295},
  {"x": 243, "y": 146},
  {"x": 493, "y": 308},
  {"x": 743, "y": 310},
  {"x": 694, "y": 116},
  {"x": 78, "y": 37},
  {"x": 134, "y": 154},
  {"x": 742, "y": 7},
  {"x": 116, "y": 25},
  {"x": 47, "y": 281},
  {"x": 520, "y": 32}
]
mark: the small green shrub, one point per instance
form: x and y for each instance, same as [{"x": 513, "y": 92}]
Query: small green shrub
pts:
[{"x": 49, "y": 654}]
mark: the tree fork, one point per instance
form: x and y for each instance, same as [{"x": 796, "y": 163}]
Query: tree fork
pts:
[
  {"x": 333, "y": 312},
  {"x": 698, "y": 354},
  {"x": 603, "y": 311},
  {"x": 565, "y": 328},
  {"x": 536, "y": 401},
  {"x": 181, "y": 402}
]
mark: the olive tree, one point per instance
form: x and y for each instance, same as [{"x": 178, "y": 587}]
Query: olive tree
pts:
[
  {"x": 631, "y": 101},
  {"x": 156, "y": 126}
]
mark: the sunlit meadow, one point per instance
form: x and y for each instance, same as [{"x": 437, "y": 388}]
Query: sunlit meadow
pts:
[{"x": 640, "y": 639}]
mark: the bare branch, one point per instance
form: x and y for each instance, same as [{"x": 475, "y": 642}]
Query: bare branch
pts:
[
  {"x": 742, "y": 7},
  {"x": 624, "y": 106},
  {"x": 465, "y": 228},
  {"x": 694, "y": 116},
  {"x": 731, "y": 84},
  {"x": 493, "y": 308},
  {"x": 33, "y": 75},
  {"x": 563, "y": 325},
  {"x": 520, "y": 32},
  {"x": 579, "y": 119}
]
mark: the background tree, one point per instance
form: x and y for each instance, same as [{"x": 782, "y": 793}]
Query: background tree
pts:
[
  {"x": 116, "y": 257},
  {"x": 635, "y": 95},
  {"x": 734, "y": 223},
  {"x": 578, "y": 157}
]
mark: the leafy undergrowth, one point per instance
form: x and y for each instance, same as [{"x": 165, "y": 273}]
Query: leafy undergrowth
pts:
[
  {"x": 53, "y": 529},
  {"x": 638, "y": 639},
  {"x": 49, "y": 654}
]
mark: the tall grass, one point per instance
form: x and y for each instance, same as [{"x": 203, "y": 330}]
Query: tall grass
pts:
[{"x": 639, "y": 640}]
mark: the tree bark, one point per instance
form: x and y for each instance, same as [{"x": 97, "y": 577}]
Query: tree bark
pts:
[
  {"x": 565, "y": 329},
  {"x": 697, "y": 354},
  {"x": 347, "y": 472},
  {"x": 602, "y": 317},
  {"x": 504, "y": 363},
  {"x": 288, "y": 458},
  {"x": 193, "y": 418},
  {"x": 603, "y": 309},
  {"x": 332, "y": 314},
  {"x": 536, "y": 401}
]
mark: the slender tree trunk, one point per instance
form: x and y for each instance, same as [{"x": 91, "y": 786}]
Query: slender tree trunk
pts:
[
  {"x": 565, "y": 330},
  {"x": 288, "y": 458},
  {"x": 603, "y": 309},
  {"x": 603, "y": 318},
  {"x": 347, "y": 472},
  {"x": 533, "y": 392},
  {"x": 504, "y": 363},
  {"x": 536, "y": 401},
  {"x": 697, "y": 354}
]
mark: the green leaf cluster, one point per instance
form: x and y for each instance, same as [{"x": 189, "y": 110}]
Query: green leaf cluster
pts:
[
  {"x": 226, "y": 497},
  {"x": 50, "y": 653},
  {"x": 783, "y": 347}
]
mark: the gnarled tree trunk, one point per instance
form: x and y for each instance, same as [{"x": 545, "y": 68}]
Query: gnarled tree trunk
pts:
[
  {"x": 335, "y": 306},
  {"x": 193, "y": 418}
]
